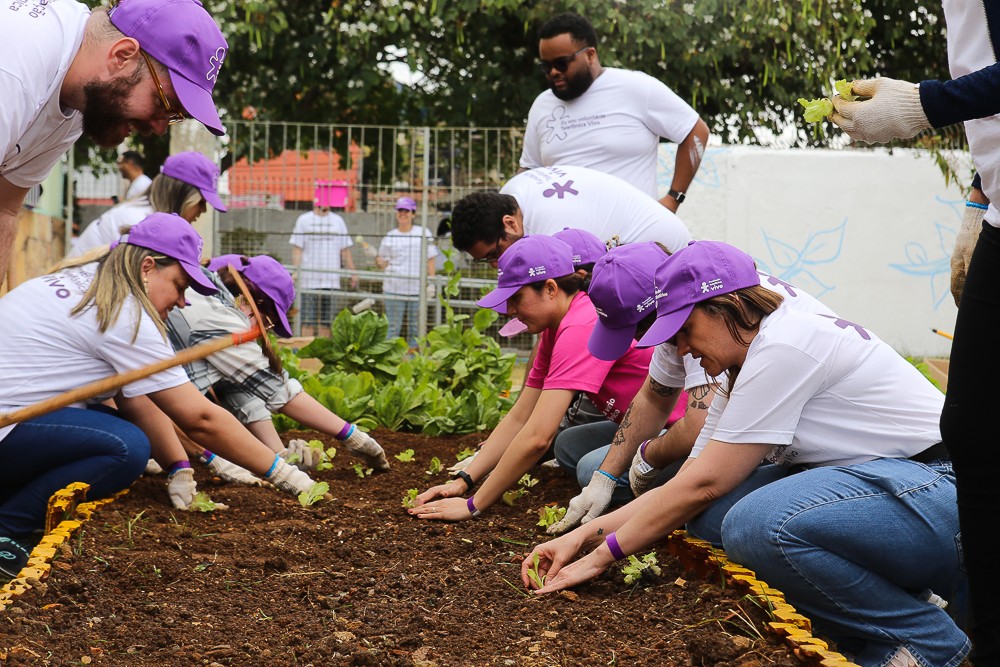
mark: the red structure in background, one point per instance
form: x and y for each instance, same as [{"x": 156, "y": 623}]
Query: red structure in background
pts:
[{"x": 292, "y": 177}]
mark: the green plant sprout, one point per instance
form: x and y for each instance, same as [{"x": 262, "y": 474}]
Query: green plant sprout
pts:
[
  {"x": 465, "y": 453},
  {"x": 325, "y": 457},
  {"x": 510, "y": 497},
  {"x": 410, "y": 498},
  {"x": 819, "y": 109},
  {"x": 636, "y": 568},
  {"x": 538, "y": 579},
  {"x": 527, "y": 481},
  {"x": 360, "y": 470},
  {"x": 405, "y": 457},
  {"x": 550, "y": 514},
  {"x": 203, "y": 503},
  {"x": 435, "y": 466},
  {"x": 314, "y": 494}
]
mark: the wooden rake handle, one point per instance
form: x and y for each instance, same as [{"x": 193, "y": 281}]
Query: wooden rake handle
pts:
[{"x": 105, "y": 385}]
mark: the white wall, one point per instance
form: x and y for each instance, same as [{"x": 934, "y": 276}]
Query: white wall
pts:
[{"x": 868, "y": 232}]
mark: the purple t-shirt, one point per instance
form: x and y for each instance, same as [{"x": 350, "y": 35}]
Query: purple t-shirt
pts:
[{"x": 564, "y": 362}]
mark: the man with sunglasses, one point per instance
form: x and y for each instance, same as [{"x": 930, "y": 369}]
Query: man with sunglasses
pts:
[
  {"x": 139, "y": 65},
  {"x": 607, "y": 118}
]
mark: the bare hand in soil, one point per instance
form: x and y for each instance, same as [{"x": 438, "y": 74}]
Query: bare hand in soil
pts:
[
  {"x": 446, "y": 509},
  {"x": 452, "y": 489}
]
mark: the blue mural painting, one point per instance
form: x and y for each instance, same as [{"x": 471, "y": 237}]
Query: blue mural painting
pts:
[
  {"x": 798, "y": 264},
  {"x": 934, "y": 264}
]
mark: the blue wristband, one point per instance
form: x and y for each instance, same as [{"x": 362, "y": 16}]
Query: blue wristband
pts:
[
  {"x": 975, "y": 204},
  {"x": 270, "y": 471},
  {"x": 608, "y": 475}
]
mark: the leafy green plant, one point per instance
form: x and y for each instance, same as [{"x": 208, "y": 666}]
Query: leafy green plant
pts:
[
  {"x": 203, "y": 503},
  {"x": 549, "y": 515},
  {"x": 819, "y": 109},
  {"x": 538, "y": 579},
  {"x": 360, "y": 470},
  {"x": 405, "y": 457},
  {"x": 410, "y": 497},
  {"x": 510, "y": 497},
  {"x": 358, "y": 343},
  {"x": 325, "y": 456},
  {"x": 435, "y": 466},
  {"x": 637, "y": 568},
  {"x": 314, "y": 494},
  {"x": 465, "y": 453},
  {"x": 527, "y": 481}
]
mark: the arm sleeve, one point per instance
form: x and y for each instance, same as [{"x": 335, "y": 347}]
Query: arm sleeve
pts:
[
  {"x": 667, "y": 114},
  {"x": 569, "y": 365},
  {"x": 975, "y": 95}
]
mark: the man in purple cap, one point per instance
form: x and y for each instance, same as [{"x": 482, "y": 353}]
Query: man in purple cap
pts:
[
  {"x": 399, "y": 255},
  {"x": 138, "y": 66}
]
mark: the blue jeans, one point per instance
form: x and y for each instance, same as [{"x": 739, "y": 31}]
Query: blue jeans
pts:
[
  {"x": 852, "y": 548},
  {"x": 40, "y": 456},
  {"x": 398, "y": 308}
]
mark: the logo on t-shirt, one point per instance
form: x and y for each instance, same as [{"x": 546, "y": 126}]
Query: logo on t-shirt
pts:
[
  {"x": 553, "y": 126},
  {"x": 560, "y": 191}
]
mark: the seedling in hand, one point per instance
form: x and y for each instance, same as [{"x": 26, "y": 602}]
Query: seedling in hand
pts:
[
  {"x": 550, "y": 514},
  {"x": 360, "y": 470},
  {"x": 405, "y": 457},
  {"x": 203, "y": 503},
  {"x": 314, "y": 494},
  {"x": 536, "y": 578},
  {"x": 325, "y": 457},
  {"x": 819, "y": 109},
  {"x": 465, "y": 453},
  {"x": 435, "y": 466},
  {"x": 635, "y": 568},
  {"x": 410, "y": 498}
]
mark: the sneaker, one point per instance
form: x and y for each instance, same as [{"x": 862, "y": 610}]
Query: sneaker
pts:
[
  {"x": 902, "y": 658},
  {"x": 13, "y": 558}
]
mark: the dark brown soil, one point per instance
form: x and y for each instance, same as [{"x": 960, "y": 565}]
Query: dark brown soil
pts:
[{"x": 356, "y": 581}]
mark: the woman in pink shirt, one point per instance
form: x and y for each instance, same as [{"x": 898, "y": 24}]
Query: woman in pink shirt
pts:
[{"x": 537, "y": 283}]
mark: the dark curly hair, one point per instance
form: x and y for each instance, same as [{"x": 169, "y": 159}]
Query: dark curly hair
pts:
[
  {"x": 574, "y": 24},
  {"x": 479, "y": 217}
]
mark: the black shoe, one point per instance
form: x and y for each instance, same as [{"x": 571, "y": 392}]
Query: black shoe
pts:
[{"x": 13, "y": 558}]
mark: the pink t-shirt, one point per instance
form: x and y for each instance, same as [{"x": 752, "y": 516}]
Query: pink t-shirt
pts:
[{"x": 564, "y": 362}]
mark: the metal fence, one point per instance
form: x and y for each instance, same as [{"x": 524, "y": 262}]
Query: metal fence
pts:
[{"x": 273, "y": 172}]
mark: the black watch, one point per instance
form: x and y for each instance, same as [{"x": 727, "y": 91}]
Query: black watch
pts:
[
  {"x": 467, "y": 478},
  {"x": 678, "y": 196}
]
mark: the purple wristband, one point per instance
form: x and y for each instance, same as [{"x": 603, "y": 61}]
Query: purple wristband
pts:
[
  {"x": 180, "y": 465},
  {"x": 642, "y": 451},
  {"x": 345, "y": 432},
  {"x": 470, "y": 503},
  {"x": 612, "y": 543}
]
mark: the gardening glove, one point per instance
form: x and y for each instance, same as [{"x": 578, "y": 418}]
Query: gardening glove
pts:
[
  {"x": 301, "y": 455},
  {"x": 965, "y": 243},
  {"x": 590, "y": 504},
  {"x": 461, "y": 465},
  {"x": 364, "y": 445},
  {"x": 288, "y": 478},
  {"x": 641, "y": 476},
  {"x": 153, "y": 468},
  {"x": 431, "y": 292},
  {"x": 893, "y": 112},
  {"x": 230, "y": 472},
  {"x": 181, "y": 488}
]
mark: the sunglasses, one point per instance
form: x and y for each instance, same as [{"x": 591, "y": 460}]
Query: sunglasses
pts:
[
  {"x": 560, "y": 64},
  {"x": 173, "y": 116}
]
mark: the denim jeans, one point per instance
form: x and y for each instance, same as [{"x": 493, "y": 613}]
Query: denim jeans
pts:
[
  {"x": 395, "y": 310},
  {"x": 969, "y": 432},
  {"x": 40, "y": 456},
  {"x": 852, "y": 548}
]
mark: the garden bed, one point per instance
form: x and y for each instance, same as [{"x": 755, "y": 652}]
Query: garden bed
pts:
[{"x": 356, "y": 581}]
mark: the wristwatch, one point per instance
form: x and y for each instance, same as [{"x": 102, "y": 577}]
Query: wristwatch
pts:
[{"x": 678, "y": 196}]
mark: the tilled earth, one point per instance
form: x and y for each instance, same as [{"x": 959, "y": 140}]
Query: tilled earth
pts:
[{"x": 357, "y": 581}]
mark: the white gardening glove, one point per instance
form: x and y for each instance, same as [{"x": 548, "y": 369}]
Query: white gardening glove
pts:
[
  {"x": 230, "y": 472},
  {"x": 590, "y": 504},
  {"x": 462, "y": 465},
  {"x": 431, "y": 292},
  {"x": 364, "y": 445},
  {"x": 153, "y": 468},
  {"x": 290, "y": 479},
  {"x": 892, "y": 112},
  {"x": 965, "y": 243},
  {"x": 181, "y": 488},
  {"x": 641, "y": 476},
  {"x": 301, "y": 455}
]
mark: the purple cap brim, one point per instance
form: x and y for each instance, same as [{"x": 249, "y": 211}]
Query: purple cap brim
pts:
[
  {"x": 199, "y": 282},
  {"x": 282, "y": 327},
  {"x": 498, "y": 298},
  {"x": 665, "y": 327},
  {"x": 213, "y": 199},
  {"x": 512, "y": 328},
  {"x": 198, "y": 104},
  {"x": 610, "y": 344}
]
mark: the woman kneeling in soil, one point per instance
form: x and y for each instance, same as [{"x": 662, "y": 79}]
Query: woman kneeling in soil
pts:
[
  {"x": 853, "y": 512},
  {"x": 241, "y": 378},
  {"x": 87, "y": 323},
  {"x": 538, "y": 284}
]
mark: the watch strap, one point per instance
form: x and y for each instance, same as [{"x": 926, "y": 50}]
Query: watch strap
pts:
[{"x": 678, "y": 196}]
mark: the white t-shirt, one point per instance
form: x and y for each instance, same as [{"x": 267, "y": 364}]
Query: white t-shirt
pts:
[
  {"x": 322, "y": 239},
  {"x": 107, "y": 228},
  {"x": 825, "y": 391},
  {"x": 47, "y": 352},
  {"x": 614, "y": 127},
  {"x": 669, "y": 369},
  {"x": 138, "y": 186},
  {"x": 39, "y": 42},
  {"x": 552, "y": 198},
  {"x": 402, "y": 251}
]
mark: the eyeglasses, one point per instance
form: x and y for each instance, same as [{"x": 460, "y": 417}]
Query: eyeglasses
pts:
[
  {"x": 491, "y": 256},
  {"x": 173, "y": 116},
  {"x": 561, "y": 64}
]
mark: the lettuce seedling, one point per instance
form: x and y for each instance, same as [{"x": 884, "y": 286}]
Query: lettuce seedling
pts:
[
  {"x": 410, "y": 498},
  {"x": 511, "y": 496},
  {"x": 405, "y": 457},
  {"x": 360, "y": 470},
  {"x": 465, "y": 453},
  {"x": 549, "y": 515},
  {"x": 817, "y": 109},
  {"x": 844, "y": 89},
  {"x": 527, "y": 481},
  {"x": 314, "y": 494},
  {"x": 203, "y": 503},
  {"x": 538, "y": 579},
  {"x": 435, "y": 466},
  {"x": 635, "y": 568}
]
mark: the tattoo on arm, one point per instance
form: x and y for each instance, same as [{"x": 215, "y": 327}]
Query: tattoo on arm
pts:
[
  {"x": 600, "y": 531},
  {"x": 698, "y": 395},
  {"x": 619, "y": 437},
  {"x": 662, "y": 389}
]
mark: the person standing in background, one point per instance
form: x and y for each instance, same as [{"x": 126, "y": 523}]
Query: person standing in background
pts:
[
  {"x": 399, "y": 256},
  {"x": 131, "y": 165}
]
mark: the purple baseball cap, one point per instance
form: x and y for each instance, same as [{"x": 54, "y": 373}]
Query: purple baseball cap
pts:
[
  {"x": 271, "y": 278},
  {"x": 623, "y": 291},
  {"x": 693, "y": 274},
  {"x": 528, "y": 260},
  {"x": 182, "y": 36},
  {"x": 195, "y": 169},
  {"x": 406, "y": 204},
  {"x": 222, "y": 261},
  {"x": 587, "y": 248},
  {"x": 172, "y": 235}
]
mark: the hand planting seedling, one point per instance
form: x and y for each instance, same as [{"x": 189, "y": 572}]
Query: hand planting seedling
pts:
[
  {"x": 405, "y": 457},
  {"x": 819, "y": 109},
  {"x": 550, "y": 514},
  {"x": 360, "y": 470},
  {"x": 635, "y": 568},
  {"x": 410, "y": 498},
  {"x": 435, "y": 466},
  {"x": 537, "y": 579},
  {"x": 465, "y": 453},
  {"x": 203, "y": 503},
  {"x": 314, "y": 494}
]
